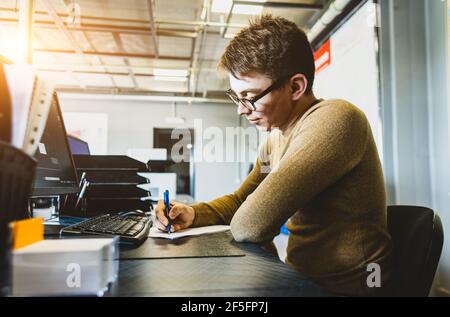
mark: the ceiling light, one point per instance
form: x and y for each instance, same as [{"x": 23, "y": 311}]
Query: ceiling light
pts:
[
  {"x": 247, "y": 9},
  {"x": 170, "y": 72},
  {"x": 224, "y": 6},
  {"x": 170, "y": 78},
  {"x": 221, "y": 6}
]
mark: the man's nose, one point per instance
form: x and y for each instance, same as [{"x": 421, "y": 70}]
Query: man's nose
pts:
[{"x": 243, "y": 110}]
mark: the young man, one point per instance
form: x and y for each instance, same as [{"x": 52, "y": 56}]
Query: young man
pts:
[{"x": 319, "y": 168}]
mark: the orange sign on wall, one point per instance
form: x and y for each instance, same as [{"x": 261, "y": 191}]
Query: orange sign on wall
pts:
[{"x": 322, "y": 57}]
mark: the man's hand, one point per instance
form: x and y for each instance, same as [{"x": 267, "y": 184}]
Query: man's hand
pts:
[{"x": 182, "y": 216}]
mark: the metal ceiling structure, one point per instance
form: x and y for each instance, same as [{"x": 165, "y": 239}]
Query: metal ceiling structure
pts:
[{"x": 116, "y": 46}]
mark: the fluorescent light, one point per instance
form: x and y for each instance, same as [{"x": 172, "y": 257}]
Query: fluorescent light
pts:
[
  {"x": 247, "y": 9},
  {"x": 224, "y": 6},
  {"x": 221, "y": 6},
  {"x": 170, "y": 72},
  {"x": 162, "y": 74},
  {"x": 170, "y": 78},
  {"x": 109, "y": 96}
]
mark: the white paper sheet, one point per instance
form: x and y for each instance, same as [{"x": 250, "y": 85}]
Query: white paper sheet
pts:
[
  {"x": 20, "y": 80},
  {"x": 156, "y": 233}
]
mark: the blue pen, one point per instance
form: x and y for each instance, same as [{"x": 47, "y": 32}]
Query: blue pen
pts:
[{"x": 167, "y": 209}]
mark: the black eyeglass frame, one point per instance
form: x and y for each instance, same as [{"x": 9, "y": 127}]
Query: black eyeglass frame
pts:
[{"x": 251, "y": 101}]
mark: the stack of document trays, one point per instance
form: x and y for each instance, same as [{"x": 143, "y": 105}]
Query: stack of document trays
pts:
[
  {"x": 114, "y": 185},
  {"x": 65, "y": 267}
]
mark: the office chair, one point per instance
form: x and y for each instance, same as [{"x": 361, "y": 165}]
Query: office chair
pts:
[
  {"x": 16, "y": 177},
  {"x": 417, "y": 237},
  {"x": 17, "y": 171}
]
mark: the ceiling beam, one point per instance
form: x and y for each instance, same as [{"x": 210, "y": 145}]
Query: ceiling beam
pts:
[
  {"x": 59, "y": 22},
  {"x": 122, "y": 69},
  {"x": 114, "y": 54},
  {"x": 95, "y": 72},
  {"x": 105, "y": 72},
  {"x": 200, "y": 23},
  {"x": 119, "y": 44},
  {"x": 110, "y": 28},
  {"x": 227, "y": 21},
  {"x": 282, "y": 5},
  {"x": 140, "y": 94},
  {"x": 198, "y": 50},
  {"x": 207, "y": 16},
  {"x": 136, "y": 21},
  {"x": 86, "y": 35},
  {"x": 125, "y": 29},
  {"x": 151, "y": 13},
  {"x": 68, "y": 68}
]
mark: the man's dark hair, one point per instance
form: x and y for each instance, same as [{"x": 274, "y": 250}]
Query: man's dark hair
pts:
[{"x": 273, "y": 46}]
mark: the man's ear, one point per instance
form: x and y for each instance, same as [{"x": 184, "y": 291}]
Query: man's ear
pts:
[{"x": 298, "y": 86}]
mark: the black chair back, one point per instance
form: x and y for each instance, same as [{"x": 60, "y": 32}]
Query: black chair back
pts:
[
  {"x": 418, "y": 237},
  {"x": 16, "y": 178}
]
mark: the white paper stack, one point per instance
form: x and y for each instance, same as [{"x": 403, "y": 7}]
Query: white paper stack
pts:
[
  {"x": 65, "y": 267},
  {"x": 31, "y": 97}
]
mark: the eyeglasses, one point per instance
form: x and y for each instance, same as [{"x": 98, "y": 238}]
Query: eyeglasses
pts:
[{"x": 249, "y": 103}]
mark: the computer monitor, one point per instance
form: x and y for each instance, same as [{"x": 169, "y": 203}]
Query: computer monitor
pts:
[
  {"x": 55, "y": 173},
  {"x": 78, "y": 146}
]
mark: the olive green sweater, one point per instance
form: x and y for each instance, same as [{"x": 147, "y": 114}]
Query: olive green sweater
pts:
[{"x": 326, "y": 179}]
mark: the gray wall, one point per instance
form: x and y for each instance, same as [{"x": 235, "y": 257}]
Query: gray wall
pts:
[
  {"x": 415, "y": 109},
  {"x": 131, "y": 123},
  {"x": 404, "y": 95},
  {"x": 438, "y": 106}
]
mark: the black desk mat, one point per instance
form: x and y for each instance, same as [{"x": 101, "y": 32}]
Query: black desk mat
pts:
[{"x": 212, "y": 245}]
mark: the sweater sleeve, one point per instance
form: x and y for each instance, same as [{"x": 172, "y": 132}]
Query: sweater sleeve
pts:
[
  {"x": 331, "y": 142},
  {"x": 221, "y": 210}
]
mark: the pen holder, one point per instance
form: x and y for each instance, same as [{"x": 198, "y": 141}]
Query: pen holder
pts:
[
  {"x": 16, "y": 177},
  {"x": 71, "y": 206}
]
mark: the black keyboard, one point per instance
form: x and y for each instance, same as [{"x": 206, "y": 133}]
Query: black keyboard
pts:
[{"x": 132, "y": 229}]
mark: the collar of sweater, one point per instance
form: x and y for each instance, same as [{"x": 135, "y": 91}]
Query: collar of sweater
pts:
[{"x": 287, "y": 132}]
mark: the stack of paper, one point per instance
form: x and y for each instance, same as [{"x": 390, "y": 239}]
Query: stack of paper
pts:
[
  {"x": 65, "y": 267},
  {"x": 31, "y": 98}
]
